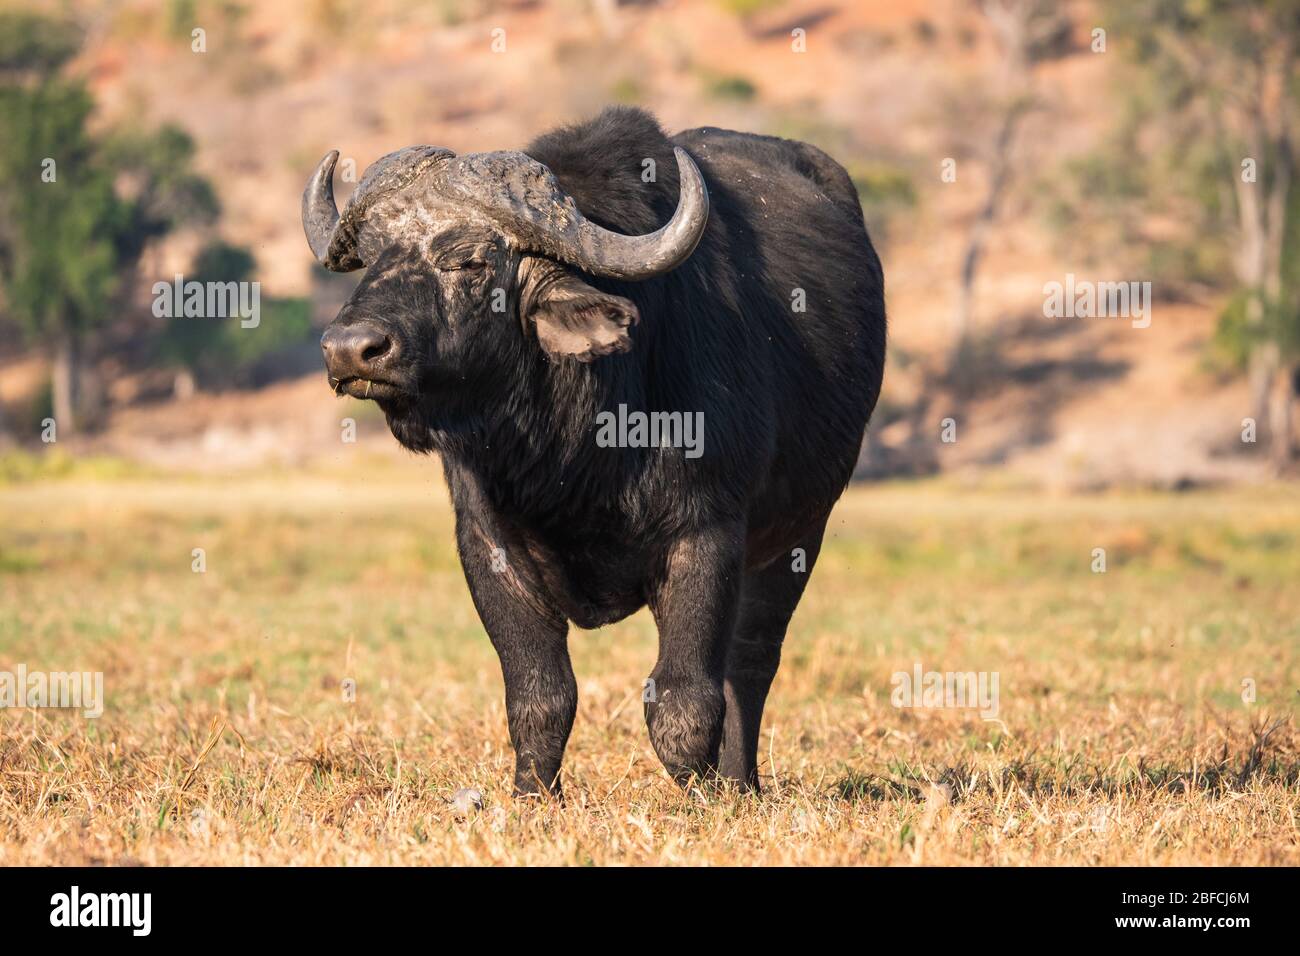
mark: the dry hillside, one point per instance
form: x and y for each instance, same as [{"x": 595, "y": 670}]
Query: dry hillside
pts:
[{"x": 883, "y": 86}]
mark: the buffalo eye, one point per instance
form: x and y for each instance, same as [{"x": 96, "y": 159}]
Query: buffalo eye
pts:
[
  {"x": 471, "y": 266},
  {"x": 471, "y": 259}
]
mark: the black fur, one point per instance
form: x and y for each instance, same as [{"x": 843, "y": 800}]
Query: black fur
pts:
[{"x": 554, "y": 529}]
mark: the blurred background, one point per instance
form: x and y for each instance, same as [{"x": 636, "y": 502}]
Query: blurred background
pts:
[{"x": 997, "y": 146}]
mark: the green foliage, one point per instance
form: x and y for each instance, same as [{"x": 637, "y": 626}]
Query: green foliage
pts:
[
  {"x": 730, "y": 87},
  {"x": 157, "y": 188},
  {"x": 29, "y": 42},
  {"x": 1103, "y": 204},
  {"x": 1234, "y": 336},
  {"x": 1161, "y": 189},
  {"x": 224, "y": 262},
  {"x": 200, "y": 343},
  {"x": 884, "y": 191},
  {"x": 1285, "y": 314},
  {"x": 181, "y": 17},
  {"x": 22, "y": 467},
  {"x": 57, "y": 262},
  {"x": 883, "y": 184},
  {"x": 67, "y": 242},
  {"x": 285, "y": 322},
  {"x": 220, "y": 350},
  {"x": 77, "y": 209},
  {"x": 628, "y": 91},
  {"x": 748, "y": 8}
]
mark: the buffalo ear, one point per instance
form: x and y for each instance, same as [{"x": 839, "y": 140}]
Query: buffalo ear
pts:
[{"x": 570, "y": 317}]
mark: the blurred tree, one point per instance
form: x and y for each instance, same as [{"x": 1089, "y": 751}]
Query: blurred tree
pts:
[
  {"x": 156, "y": 187},
  {"x": 215, "y": 353},
  {"x": 78, "y": 211},
  {"x": 1206, "y": 140},
  {"x": 1025, "y": 31},
  {"x": 193, "y": 344},
  {"x": 56, "y": 258},
  {"x": 33, "y": 44}
]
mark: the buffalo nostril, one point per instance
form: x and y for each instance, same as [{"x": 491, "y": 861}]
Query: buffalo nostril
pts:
[
  {"x": 376, "y": 350},
  {"x": 355, "y": 350}
]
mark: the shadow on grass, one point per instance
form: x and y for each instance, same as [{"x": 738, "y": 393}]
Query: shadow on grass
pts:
[{"x": 1270, "y": 759}]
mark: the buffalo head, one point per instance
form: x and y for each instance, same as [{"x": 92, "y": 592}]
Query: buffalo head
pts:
[{"x": 469, "y": 256}]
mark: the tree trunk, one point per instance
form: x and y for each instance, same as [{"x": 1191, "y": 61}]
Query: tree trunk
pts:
[
  {"x": 607, "y": 14},
  {"x": 1261, "y": 373},
  {"x": 184, "y": 385},
  {"x": 978, "y": 238},
  {"x": 1018, "y": 26},
  {"x": 1263, "y": 237},
  {"x": 1281, "y": 417},
  {"x": 67, "y": 382}
]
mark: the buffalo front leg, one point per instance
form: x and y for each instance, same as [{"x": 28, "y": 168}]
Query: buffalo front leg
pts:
[
  {"x": 694, "y": 605},
  {"x": 531, "y": 640},
  {"x": 768, "y": 599}
]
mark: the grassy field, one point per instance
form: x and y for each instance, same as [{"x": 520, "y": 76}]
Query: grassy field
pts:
[{"x": 1122, "y": 735}]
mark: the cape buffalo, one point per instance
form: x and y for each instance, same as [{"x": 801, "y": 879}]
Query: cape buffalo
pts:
[{"x": 514, "y": 301}]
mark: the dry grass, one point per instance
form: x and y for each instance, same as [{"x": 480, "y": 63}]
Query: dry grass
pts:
[{"x": 1122, "y": 736}]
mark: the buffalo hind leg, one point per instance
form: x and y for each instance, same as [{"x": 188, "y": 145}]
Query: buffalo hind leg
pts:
[
  {"x": 768, "y": 599},
  {"x": 694, "y": 605}
]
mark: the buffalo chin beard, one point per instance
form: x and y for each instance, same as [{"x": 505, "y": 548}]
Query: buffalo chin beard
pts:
[
  {"x": 423, "y": 424},
  {"x": 411, "y": 424}
]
